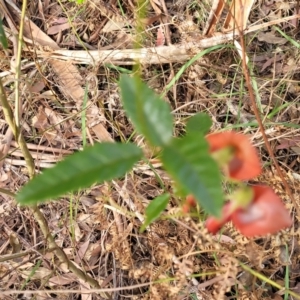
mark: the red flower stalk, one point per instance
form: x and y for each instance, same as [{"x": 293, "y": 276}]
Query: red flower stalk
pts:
[
  {"x": 265, "y": 214},
  {"x": 235, "y": 151}
]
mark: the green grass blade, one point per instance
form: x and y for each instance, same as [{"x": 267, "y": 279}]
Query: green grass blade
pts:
[
  {"x": 292, "y": 41},
  {"x": 33, "y": 271},
  {"x": 3, "y": 39},
  {"x": 188, "y": 64},
  {"x": 287, "y": 275},
  {"x": 83, "y": 117}
]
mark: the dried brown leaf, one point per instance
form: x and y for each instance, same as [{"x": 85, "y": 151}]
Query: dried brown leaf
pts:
[
  {"x": 64, "y": 279},
  {"x": 101, "y": 133},
  {"x": 271, "y": 38},
  {"x": 238, "y": 15},
  {"x": 214, "y": 16},
  {"x": 33, "y": 32},
  {"x": 82, "y": 251},
  {"x": 288, "y": 143},
  {"x": 58, "y": 28},
  {"x": 40, "y": 120},
  {"x": 40, "y": 273},
  {"x": 70, "y": 81},
  {"x": 37, "y": 86},
  {"x": 85, "y": 286},
  {"x": 113, "y": 25}
]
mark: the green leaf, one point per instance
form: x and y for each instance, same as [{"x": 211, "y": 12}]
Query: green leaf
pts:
[
  {"x": 154, "y": 209},
  {"x": 198, "y": 124},
  {"x": 150, "y": 115},
  {"x": 98, "y": 163},
  {"x": 3, "y": 39},
  {"x": 188, "y": 161}
]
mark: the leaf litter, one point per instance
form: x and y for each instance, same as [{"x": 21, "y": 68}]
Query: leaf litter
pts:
[{"x": 98, "y": 228}]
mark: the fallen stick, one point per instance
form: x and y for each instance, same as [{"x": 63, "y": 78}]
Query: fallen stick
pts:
[{"x": 153, "y": 55}]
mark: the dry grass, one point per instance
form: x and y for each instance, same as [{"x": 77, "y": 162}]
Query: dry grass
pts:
[{"x": 98, "y": 228}]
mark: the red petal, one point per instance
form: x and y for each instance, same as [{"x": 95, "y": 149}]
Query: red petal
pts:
[
  {"x": 267, "y": 214},
  {"x": 245, "y": 164},
  {"x": 213, "y": 224}
]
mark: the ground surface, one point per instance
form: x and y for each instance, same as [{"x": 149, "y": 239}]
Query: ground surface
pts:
[{"x": 98, "y": 228}]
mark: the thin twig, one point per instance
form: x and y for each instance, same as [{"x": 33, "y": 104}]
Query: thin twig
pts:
[
  {"x": 12, "y": 256},
  {"x": 59, "y": 252},
  {"x": 18, "y": 103},
  {"x": 19, "y": 137},
  {"x": 81, "y": 291},
  {"x": 261, "y": 126}
]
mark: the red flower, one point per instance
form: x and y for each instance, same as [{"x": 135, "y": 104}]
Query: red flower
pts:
[
  {"x": 235, "y": 151},
  {"x": 190, "y": 201},
  {"x": 265, "y": 214}
]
